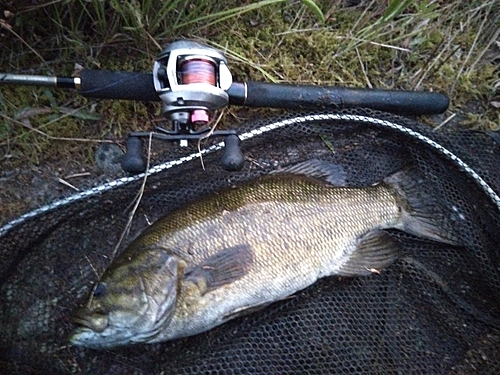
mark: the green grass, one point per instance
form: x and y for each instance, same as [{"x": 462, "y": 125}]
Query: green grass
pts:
[{"x": 446, "y": 46}]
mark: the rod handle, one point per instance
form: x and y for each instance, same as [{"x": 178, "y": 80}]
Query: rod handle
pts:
[
  {"x": 260, "y": 94},
  {"x": 105, "y": 84}
]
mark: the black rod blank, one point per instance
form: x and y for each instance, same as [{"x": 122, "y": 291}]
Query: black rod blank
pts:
[{"x": 28, "y": 80}]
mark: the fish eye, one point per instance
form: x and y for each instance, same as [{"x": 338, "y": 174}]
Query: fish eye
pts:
[{"x": 100, "y": 290}]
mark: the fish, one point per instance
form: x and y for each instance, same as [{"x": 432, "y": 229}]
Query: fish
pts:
[{"x": 242, "y": 248}]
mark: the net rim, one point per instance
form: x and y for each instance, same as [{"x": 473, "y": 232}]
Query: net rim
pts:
[{"x": 365, "y": 119}]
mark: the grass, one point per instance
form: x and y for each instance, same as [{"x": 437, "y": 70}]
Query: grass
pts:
[{"x": 447, "y": 46}]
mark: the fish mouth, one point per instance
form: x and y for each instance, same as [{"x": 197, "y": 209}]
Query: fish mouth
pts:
[{"x": 95, "y": 322}]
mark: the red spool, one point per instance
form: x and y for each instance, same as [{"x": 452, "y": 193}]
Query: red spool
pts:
[{"x": 198, "y": 71}]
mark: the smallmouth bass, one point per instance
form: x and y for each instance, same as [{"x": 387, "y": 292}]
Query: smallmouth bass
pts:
[{"x": 242, "y": 248}]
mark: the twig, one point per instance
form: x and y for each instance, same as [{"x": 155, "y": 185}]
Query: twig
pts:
[
  {"x": 67, "y": 184},
  {"x": 74, "y": 175},
  {"x": 444, "y": 122},
  {"x": 206, "y": 136},
  {"x": 89, "y": 303},
  {"x": 91, "y": 265},
  {"x": 137, "y": 201}
]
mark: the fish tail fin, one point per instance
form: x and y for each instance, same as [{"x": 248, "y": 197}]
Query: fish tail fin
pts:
[{"x": 423, "y": 213}]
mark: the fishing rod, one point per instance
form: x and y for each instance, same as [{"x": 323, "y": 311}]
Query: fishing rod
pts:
[{"x": 192, "y": 80}]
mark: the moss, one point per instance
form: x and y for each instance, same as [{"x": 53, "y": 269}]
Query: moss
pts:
[{"x": 426, "y": 46}]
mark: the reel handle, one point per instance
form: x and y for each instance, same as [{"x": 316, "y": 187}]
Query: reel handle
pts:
[
  {"x": 232, "y": 158},
  {"x": 132, "y": 161}
]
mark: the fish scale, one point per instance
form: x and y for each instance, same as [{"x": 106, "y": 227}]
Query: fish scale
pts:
[{"x": 313, "y": 242}]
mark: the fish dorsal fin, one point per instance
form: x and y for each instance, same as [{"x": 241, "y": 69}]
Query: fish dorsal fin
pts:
[
  {"x": 223, "y": 268},
  {"x": 375, "y": 250},
  {"x": 332, "y": 173}
]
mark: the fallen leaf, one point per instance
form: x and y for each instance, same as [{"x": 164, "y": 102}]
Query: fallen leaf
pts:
[
  {"x": 80, "y": 113},
  {"x": 31, "y": 112}
]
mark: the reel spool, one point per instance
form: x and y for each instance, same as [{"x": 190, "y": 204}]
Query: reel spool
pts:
[{"x": 191, "y": 80}]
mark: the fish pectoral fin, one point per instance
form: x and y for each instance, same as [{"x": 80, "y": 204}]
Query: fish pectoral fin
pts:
[
  {"x": 220, "y": 269},
  {"x": 333, "y": 173},
  {"x": 375, "y": 250}
]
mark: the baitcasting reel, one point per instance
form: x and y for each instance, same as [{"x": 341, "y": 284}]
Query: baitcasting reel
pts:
[{"x": 191, "y": 80}]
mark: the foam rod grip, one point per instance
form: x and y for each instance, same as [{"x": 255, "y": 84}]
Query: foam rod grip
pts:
[
  {"x": 104, "y": 84},
  {"x": 272, "y": 95}
]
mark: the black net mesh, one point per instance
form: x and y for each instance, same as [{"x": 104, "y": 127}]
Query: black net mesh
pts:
[{"x": 436, "y": 310}]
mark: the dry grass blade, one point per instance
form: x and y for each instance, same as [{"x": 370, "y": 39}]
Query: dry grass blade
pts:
[
  {"x": 490, "y": 26},
  {"x": 48, "y": 136},
  {"x": 483, "y": 15},
  {"x": 4, "y": 25},
  {"x": 237, "y": 57}
]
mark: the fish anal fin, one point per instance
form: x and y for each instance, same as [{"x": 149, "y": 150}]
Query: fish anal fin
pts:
[
  {"x": 220, "y": 269},
  {"x": 375, "y": 250}
]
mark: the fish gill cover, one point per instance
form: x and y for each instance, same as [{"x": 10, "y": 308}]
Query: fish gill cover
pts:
[{"x": 435, "y": 310}]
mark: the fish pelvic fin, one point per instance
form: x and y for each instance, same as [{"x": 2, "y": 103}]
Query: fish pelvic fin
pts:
[
  {"x": 334, "y": 174},
  {"x": 244, "y": 310},
  {"x": 423, "y": 213},
  {"x": 374, "y": 251},
  {"x": 223, "y": 268}
]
